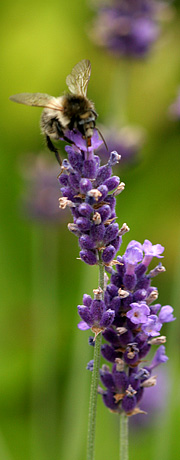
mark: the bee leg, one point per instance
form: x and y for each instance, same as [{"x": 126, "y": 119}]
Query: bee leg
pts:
[
  {"x": 61, "y": 133},
  {"x": 52, "y": 148}
]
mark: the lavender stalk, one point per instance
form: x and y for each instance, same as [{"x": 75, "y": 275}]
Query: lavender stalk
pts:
[
  {"x": 124, "y": 452},
  {"x": 93, "y": 399},
  {"x": 94, "y": 383}
]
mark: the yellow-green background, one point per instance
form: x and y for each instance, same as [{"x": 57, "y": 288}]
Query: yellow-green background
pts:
[{"x": 44, "y": 387}]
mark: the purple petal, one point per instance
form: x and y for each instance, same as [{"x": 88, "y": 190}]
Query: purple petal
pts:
[
  {"x": 166, "y": 314},
  {"x": 83, "y": 326}
]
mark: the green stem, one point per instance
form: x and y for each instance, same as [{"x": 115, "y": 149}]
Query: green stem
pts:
[
  {"x": 124, "y": 455},
  {"x": 94, "y": 383}
]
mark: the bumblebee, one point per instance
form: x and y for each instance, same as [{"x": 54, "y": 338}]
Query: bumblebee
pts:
[{"x": 72, "y": 111}]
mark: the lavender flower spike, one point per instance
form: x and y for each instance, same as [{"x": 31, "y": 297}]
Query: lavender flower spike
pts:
[
  {"x": 123, "y": 307},
  {"x": 135, "y": 328}
]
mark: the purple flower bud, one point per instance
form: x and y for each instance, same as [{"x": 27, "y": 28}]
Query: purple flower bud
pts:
[
  {"x": 85, "y": 185},
  {"x": 121, "y": 266},
  {"x": 97, "y": 309},
  {"x": 107, "y": 379},
  {"x": 143, "y": 283},
  {"x": 105, "y": 212},
  {"x": 112, "y": 289},
  {"x": 144, "y": 350},
  {"x": 111, "y": 233},
  {"x": 139, "y": 295},
  {"x": 129, "y": 281},
  {"x": 88, "y": 256},
  {"x": 85, "y": 314},
  {"x": 114, "y": 158},
  {"x": 111, "y": 201},
  {"x": 103, "y": 174},
  {"x": 74, "y": 181},
  {"x": 89, "y": 169},
  {"x": 75, "y": 158},
  {"x": 83, "y": 224},
  {"x": 97, "y": 232},
  {"x": 154, "y": 309},
  {"x": 108, "y": 254},
  {"x": 117, "y": 242},
  {"x": 158, "y": 269},
  {"x": 140, "y": 270},
  {"x": 66, "y": 165},
  {"x": 115, "y": 304},
  {"x": 86, "y": 242},
  {"x": 128, "y": 403},
  {"x": 67, "y": 192},
  {"x": 111, "y": 336},
  {"x": 109, "y": 401},
  {"x": 107, "y": 298},
  {"x": 104, "y": 191},
  {"x": 108, "y": 353},
  {"x": 127, "y": 301},
  {"x": 85, "y": 210},
  {"x": 107, "y": 318},
  {"x": 87, "y": 300},
  {"x": 63, "y": 179},
  {"x": 112, "y": 183},
  {"x": 120, "y": 380},
  {"x": 126, "y": 338},
  {"x": 90, "y": 365},
  {"x": 116, "y": 280}
]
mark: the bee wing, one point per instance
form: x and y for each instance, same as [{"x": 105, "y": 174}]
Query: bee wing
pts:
[
  {"x": 37, "y": 100},
  {"x": 78, "y": 79}
]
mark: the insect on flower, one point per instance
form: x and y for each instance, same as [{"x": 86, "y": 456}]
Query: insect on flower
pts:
[{"x": 72, "y": 111}]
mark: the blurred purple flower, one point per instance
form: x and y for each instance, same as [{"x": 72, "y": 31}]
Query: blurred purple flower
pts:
[
  {"x": 126, "y": 141},
  {"x": 153, "y": 401},
  {"x": 40, "y": 198},
  {"x": 127, "y": 27}
]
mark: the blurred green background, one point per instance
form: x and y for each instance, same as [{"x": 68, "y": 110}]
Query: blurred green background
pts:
[{"x": 44, "y": 386}]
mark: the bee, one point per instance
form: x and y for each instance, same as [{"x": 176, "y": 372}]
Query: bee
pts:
[{"x": 72, "y": 111}]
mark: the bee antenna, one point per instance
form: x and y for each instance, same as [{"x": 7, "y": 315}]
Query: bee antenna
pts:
[{"x": 102, "y": 137}]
